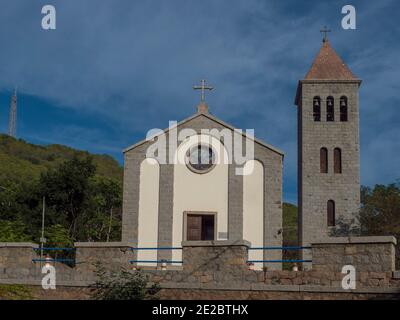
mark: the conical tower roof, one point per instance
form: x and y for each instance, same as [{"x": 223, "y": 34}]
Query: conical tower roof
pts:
[{"x": 328, "y": 65}]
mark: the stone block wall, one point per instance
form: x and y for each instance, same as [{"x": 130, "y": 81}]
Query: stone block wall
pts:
[
  {"x": 112, "y": 255},
  {"x": 215, "y": 256},
  {"x": 16, "y": 259},
  {"x": 220, "y": 266},
  {"x": 215, "y": 261},
  {"x": 16, "y": 262},
  {"x": 366, "y": 254}
]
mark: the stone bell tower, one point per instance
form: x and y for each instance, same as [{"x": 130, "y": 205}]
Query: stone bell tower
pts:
[{"x": 328, "y": 147}]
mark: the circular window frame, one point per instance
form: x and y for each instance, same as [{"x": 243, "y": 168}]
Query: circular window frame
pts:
[{"x": 195, "y": 170}]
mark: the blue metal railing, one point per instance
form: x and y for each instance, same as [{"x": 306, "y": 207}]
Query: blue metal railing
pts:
[
  {"x": 296, "y": 248},
  {"x": 157, "y": 248},
  {"x": 53, "y": 260},
  {"x": 71, "y": 260},
  {"x": 54, "y": 249},
  {"x": 156, "y": 261},
  {"x": 279, "y": 248}
]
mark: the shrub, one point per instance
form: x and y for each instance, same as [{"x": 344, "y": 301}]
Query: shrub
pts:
[{"x": 123, "y": 285}]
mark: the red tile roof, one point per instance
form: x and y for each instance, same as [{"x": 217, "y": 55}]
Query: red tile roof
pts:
[{"x": 329, "y": 66}]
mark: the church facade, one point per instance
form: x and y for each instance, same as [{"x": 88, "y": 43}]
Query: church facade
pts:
[
  {"x": 194, "y": 190},
  {"x": 167, "y": 203}
]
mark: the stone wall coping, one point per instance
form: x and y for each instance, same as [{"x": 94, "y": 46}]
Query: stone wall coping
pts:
[
  {"x": 38, "y": 282},
  {"x": 19, "y": 245},
  {"x": 217, "y": 243},
  {"x": 356, "y": 240},
  {"x": 103, "y": 244},
  {"x": 228, "y": 287},
  {"x": 275, "y": 288},
  {"x": 157, "y": 269},
  {"x": 328, "y": 289}
]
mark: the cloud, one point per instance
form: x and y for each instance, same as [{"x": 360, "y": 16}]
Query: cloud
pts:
[{"x": 132, "y": 64}]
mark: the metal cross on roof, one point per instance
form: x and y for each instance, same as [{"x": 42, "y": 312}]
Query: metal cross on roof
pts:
[
  {"x": 325, "y": 31},
  {"x": 202, "y": 87}
]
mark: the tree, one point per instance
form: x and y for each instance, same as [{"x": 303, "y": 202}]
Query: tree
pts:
[
  {"x": 58, "y": 236},
  {"x": 123, "y": 285},
  {"x": 380, "y": 212},
  {"x": 102, "y": 216},
  {"x": 66, "y": 189},
  {"x": 346, "y": 227},
  {"x": 13, "y": 231}
]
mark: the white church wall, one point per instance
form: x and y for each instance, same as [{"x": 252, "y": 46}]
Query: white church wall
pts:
[
  {"x": 253, "y": 208},
  {"x": 207, "y": 192},
  {"x": 148, "y": 210}
]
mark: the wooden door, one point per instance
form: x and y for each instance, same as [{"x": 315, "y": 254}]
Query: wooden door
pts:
[{"x": 193, "y": 227}]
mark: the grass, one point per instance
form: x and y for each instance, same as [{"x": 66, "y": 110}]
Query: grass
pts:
[{"x": 15, "y": 292}]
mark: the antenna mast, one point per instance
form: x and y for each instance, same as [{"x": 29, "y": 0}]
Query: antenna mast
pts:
[{"x": 12, "y": 122}]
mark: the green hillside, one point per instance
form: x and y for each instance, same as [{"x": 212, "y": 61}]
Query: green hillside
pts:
[
  {"x": 22, "y": 161},
  {"x": 83, "y": 193},
  {"x": 289, "y": 224}
]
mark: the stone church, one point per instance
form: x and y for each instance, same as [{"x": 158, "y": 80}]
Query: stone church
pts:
[{"x": 198, "y": 193}]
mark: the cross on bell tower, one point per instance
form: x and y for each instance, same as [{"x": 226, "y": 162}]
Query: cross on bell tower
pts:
[{"x": 325, "y": 31}]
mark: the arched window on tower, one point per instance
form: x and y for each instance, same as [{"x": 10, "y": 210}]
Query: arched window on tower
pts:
[
  {"x": 323, "y": 160},
  {"x": 330, "y": 110},
  {"x": 337, "y": 160},
  {"x": 317, "y": 108},
  {"x": 331, "y": 213},
  {"x": 343, "y": 108}
]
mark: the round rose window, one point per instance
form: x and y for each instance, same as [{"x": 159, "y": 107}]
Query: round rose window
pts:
[{"x": 201, "y": 158}]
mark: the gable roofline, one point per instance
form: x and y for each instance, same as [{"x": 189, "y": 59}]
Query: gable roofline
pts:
[{"x": 212, "y": 118}]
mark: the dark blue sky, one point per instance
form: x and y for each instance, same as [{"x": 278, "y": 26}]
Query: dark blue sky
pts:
[{"x": 113, "y": 70}]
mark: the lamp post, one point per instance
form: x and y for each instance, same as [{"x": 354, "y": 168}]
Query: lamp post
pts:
[
  {"x": 42, "y": 238},
  {"x": 109, "y": 224}
]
